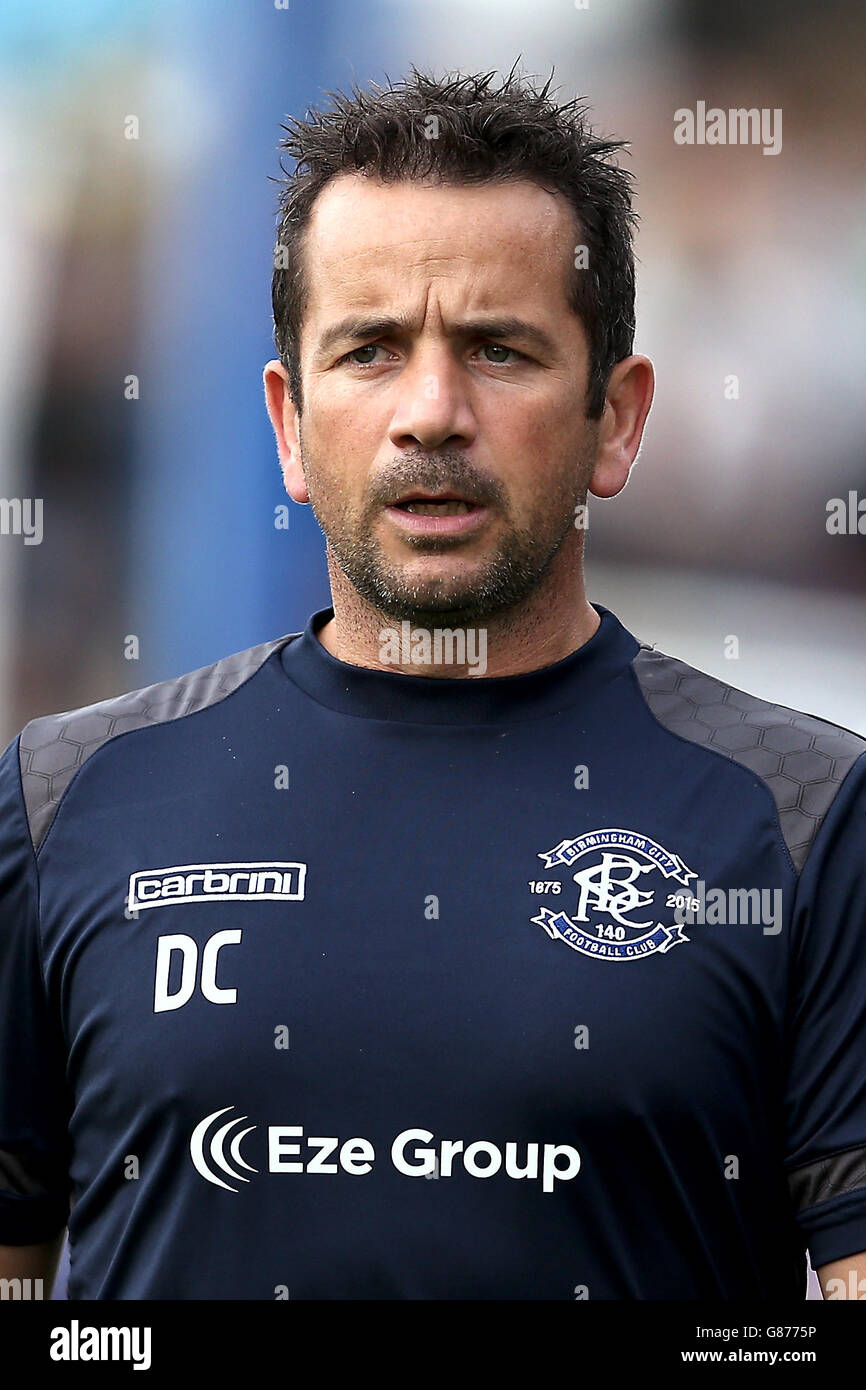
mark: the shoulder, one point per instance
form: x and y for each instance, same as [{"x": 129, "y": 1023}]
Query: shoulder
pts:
[
  {"x": 802, "y": 758},
  {"x": 54, "y": 747}
]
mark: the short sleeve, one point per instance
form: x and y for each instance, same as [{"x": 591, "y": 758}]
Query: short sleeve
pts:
[
  {"x": 825, "y": 1101},
  {"x": 34, "y": 1166}
]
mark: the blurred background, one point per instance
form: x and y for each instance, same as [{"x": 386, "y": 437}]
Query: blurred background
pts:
[{"x": 138, "y": 148}]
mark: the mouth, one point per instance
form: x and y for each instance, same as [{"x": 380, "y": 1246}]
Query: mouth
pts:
[
  {"x": 441, "y": 504},
  {"x": 423, "y": 513}
]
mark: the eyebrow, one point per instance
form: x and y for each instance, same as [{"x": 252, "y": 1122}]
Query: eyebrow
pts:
[{"x": 358, "y": 326}]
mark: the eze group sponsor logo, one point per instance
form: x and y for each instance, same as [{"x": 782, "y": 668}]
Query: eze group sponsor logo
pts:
[
  {"x": 271, "y": 881},
  {"x": 415, "y": 1153},
  {"x": 604, "y": 924},
  {"x": 215, "y": 1157}
]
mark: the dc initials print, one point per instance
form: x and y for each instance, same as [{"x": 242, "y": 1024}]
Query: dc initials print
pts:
[{"x": 625, "y": 883}]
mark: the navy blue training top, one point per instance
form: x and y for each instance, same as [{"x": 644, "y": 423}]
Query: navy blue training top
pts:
[{"x": 319, "y": 981}]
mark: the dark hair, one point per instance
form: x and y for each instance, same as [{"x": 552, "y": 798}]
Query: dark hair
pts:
[{"x": 484, "y": 134}]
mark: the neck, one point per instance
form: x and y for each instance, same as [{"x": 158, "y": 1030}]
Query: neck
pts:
[{"x": 548, "y": 626}]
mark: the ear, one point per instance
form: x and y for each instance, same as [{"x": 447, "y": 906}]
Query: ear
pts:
[
  {"x": 284, "y": 418},
  {"x": 620, "y": 430}
]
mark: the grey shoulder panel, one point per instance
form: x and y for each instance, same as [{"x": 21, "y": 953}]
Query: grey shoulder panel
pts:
[
  {"x": 802, "y": 759},
  {"x": 828, "y": 1177},
  {"x": 54, "y": 747}
]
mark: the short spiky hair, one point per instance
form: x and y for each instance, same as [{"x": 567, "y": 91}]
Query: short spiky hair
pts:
[{"x": 483, "y": 133}]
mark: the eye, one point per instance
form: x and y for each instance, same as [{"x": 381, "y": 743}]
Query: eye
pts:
[
  {"x": 500, "y": 347},
  {"x": 350, "y": 359}
]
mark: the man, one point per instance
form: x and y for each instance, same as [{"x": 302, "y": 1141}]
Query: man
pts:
[{"x": 378, "y": 961}]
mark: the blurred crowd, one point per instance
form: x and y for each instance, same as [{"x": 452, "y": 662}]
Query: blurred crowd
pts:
[{"x": 752, "y": 300}]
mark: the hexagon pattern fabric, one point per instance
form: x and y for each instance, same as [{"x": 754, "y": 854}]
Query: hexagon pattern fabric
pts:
[
  {"x": 55, "y": 746},
  {"x": 802, "y": 759}
]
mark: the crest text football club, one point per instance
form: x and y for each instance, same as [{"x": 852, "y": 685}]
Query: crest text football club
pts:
[{"x": 628, "y": 888}]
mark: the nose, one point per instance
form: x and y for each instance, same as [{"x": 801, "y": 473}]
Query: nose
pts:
[{"x": 433, "y": 405}]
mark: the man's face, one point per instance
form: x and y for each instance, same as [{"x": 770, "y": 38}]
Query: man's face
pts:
[{"x": 439, "y": 357}]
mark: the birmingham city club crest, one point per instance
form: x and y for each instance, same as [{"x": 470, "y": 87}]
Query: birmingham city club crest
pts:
[{"x": 625, "y": 883}]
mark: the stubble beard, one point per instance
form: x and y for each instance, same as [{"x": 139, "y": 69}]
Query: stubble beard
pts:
[{"x": 522, "y": 558}]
